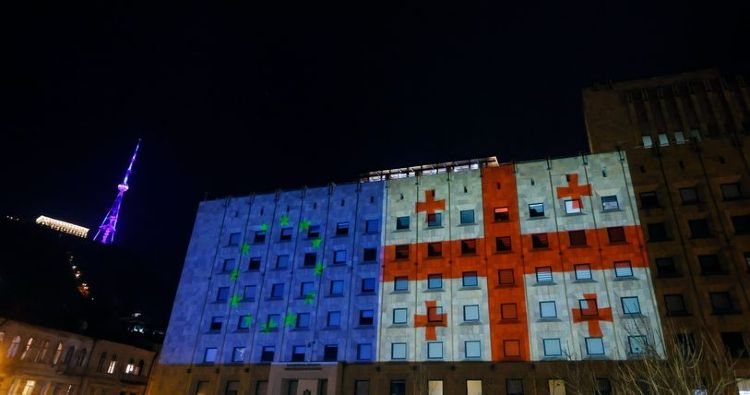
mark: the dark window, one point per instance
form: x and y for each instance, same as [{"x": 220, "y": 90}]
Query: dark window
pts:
[
  {"x": 675, "y": 304},
  {"x": 234, "y": 239},
  {"x": 467, "y": 217},
  {"x": 286, "y": 234},
  {"x": 734, "y": 344},
  {"x": 435, "y": 249},
  {"x": 337, "y": 287},
  {"x": 298, "y": 354},
  {"x": 342, "y": 229},
  {"x": 372, "y": 226},
  {"x": 746, "y": 255},
  {"x": 310, "y": 259},
  {"x": 577, "y": 237},
  {"x": 616, "y": 234},
  {"x": 370, "y": 254},
  {"x": 509, "y": 311},
  {"x": 502, "y": 244},
  {"x": 741, "y": 224},
  {"x": 254, "y": 264},
  {"x": 402, "y": 223},
  {"x": 313, "y": 231},
  {"x": 227, "y": 266},
  {"x": 249, "y": 292},
  {"x": 689, "y": 195},
  {"x": 588, "y": 307},
  {"x": 398, "y": 387},
  {"x": 505, "y": 277},
  {"x": 512, "y": 348},
  {"x": 539, "y": 240},
  {"x": 699, "y": 228},
  {"x": 303, "y": 320},
  {"x": 544, "y": 274},
  {"x": 649, "y": 200},
  {"x": 665, "y": 267},
  {"x": 434, "y": 281},
  {"x": 368, "y": 285},
  {"x": 305, "y": 288},
  {"x": 282, "y": 261},
  {"x": 536, "y": 210},
  {"x": 260, "y": 237},
  {"x": 222, "y": 295},
  {"x": 434, "y": 220},
  {"x": 267, "y": 354},
  {"x": 402, "y": 251},
  {"x": 731, "y": 191},
  {"x": 366, "y": 317},
  {"x": 330, "y": 353},
  {"x": 502, "y": 214},
  {"x": 468, "y": 247},
  {"x": 610, "y": 203},
  {"x": 721, "y": 302},
  {"x": 657, "y": 232},
  {"x": 685, "y": 343},
  {"x": 470, "y": 279},
  {"x": 277, "y": 290},
  {"x": 514, "y": 386},
  {"x": 216, "y": 324},
  {"x": 401, "y": 284},
  {"x": 603, "y": 386},
  {"x": 362, "y": 387},
  {"x": 710, "y": 265}
]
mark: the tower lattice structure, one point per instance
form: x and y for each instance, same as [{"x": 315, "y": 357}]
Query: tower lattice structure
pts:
[{"x": 106, "y": 232}]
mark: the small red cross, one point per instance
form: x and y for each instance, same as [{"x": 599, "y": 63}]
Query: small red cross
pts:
[
  {"x": 430, "y": 204},
  {"x": 592, "y": 315},
  {"x": 573, "y": 190},
  {"x": 431, "y": 320}
]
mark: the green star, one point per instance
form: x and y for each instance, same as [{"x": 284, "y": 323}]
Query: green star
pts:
[
  {"x": 264, "y": 227},
  {"x": 319, "y": 268},
  {"x": 309, "y": 298},
  {"x": 235, "y": 300},
  {"x": 235, "y": 274},
  {"x": 245, "y": 249},
  {"x": 248, "y": 320},
  {"x": 284, "y": 220},
  {"x": 304, "y": 225},
  {"x": 316, "y": 242},
  {"x": 290, "y": 319}
]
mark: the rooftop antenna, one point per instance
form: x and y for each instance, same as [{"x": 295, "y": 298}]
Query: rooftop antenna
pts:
[{"x": 106, "y": 232}]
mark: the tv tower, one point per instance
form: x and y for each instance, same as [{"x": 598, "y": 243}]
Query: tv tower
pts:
[{"x": 106, "y": 232}]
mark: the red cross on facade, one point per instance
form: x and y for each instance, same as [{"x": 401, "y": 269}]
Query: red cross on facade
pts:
[
  {"x": 573, "y": 190},
  {"x": 430, "y": 205},
  {"x": 431, "y": 320},
  {"x": 592, "y": 314}
]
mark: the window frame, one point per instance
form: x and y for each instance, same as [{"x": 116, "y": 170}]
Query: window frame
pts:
[
  {"x": 397, "y": 311},
  {"x": 608, "y": 201},
  {"x": 544, "y": 270},
  {"x": 582, "y": 268},
  {"x": 547, "y": 303},
  {"x": 552, "y": 340},
  {"x": 588, "y": 345},
  {"x": 623, "y": 269},
  {"x": 468, "y": 276},
  {"x": 434, "y": 277},
  {"x": 430, "y": 350},
  {"x": 468, "y": 308},
  {"x": 477, "y": 344},
  {"x": 399, "y": 345},
  {"x": 534, "y": 210},
  {"x": 625, "y": 311},
  {"x": 467, "y": 212}
]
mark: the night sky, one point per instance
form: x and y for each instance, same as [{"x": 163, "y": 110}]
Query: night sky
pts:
[{"x": 231, "y": 100}]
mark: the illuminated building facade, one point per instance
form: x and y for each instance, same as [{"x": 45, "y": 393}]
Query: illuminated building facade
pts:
[
  {"x": 62, "y": 226},
  {"x": 433, "y": 279}
]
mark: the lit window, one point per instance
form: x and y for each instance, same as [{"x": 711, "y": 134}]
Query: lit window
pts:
[
  {"x": 547, "y": 309},
  {"x": 401, "y": 284},
  {"x": 471, "y": 312},
  {"x": 552, "y": 347},
  {"x": 573, "y": 206},
  {"x": 501, "y": 214},
  {"x": 435, "y": 350},
  {"x": 238, "y": 354},
  {"x": 610, "y": 203},
  {"x": 398, "y": 351},
  {"x": 594, "y": 346},
  {"x": 544, "y": 274},
  {"x": 402, "y": 223},
  {"x": 623, "y": 269},
  {"x": 536, "y": 210},
  {"x": 473, "y": 349},
  {"x": 130, "y": 367},
  {"x": 630, "y": 305},
  {"x": 434, "y": 220},
  {"x": 467, "y": 217},
  {"x": 663, "y": 140},
  {"x": 470, "y": 279},
  {"x": 679, "y": 137},
  {"x": 400, "y": 315},
  {"x": 583, "y": 271},
  {"x": 112, "y": 365},
  {"x": 647, "y": 142},
  {"x": 435, "y": 281}
]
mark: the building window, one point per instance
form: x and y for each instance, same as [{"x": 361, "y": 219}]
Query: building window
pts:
[
  {"x": 588, "y": 307},
  {"x": 512, "y": 348},
  {"x": 435, "y": 387},
  {"x": 435, "y": 314},
  {"x": 630, "y": 305},
  {"x": 582, "y": 271},
  {"x": 248, "y": 293},
  {"x": 298, "y": 353},
  {"x": 434, "y": 281},
  {"x": 368, "y": 285},
  {"x": 665, "y": 267},
  {"x": 277, "y": 291},
  {"x": 209, "y": 355},
  {"x": 470, "y": 279},
  {"x": 401, "y": 284},
  {"x": 342, "y": 229},
  {"x": 366, "y": 317},
  {"x": 369, "y": 254},
  {"x": 303, "y": 320},
  {"x": 468, "y": 247},
  {"x": 362, "y": 387},
  {"x": 506, "y": 277},
  {"x": 402, "y": 251},
  {"x": 731, "y": 191},
  {"x": 623, "y": 269},
  {"x": 313, "y": 231},
  {"x": 657, "y": 231},
  {"x": 539, "y": 240},
  {"x": 286, "y": 234},
  {"x": 514, "y": 386},
  {"x": 544, "y": 274},
  {"x": 434, "y": 249},
  {"x": 398, "y": 351},
  {"x": 330, "y": 353},
  {"x": 536, "y": 210},
  {"x": 721, "y": 302},
  {"x": 435, "y": 350},
  {"x": 734, "y": 344},
  {"x": 649, "y": 200},
  {"x": 547, "y": 309},
  {"x": 594, "y": 346},
  {"x": 509, "y": 311},
  {"x": 337, "y": 288},
  {"x": 473, "y": 349},
  {"x": 746, "y": 255},
  {"x": 282, "y": 262},
  {"x": 272, "y": 321},
  {"x": 647, "y": 141},
  {"x": 616, "y": 234},
  {"x": 663, "y": 140},
  {"x": 372, "y": 226},
  {"x": 334, "y": 319},
  {"x": 710, "y": 265},
  {"x": 260, "y": 237},
  {"x": 309, "y": 261},
  {"x": 402, "y": 223},
  {"x": 609, "y": 203},
  {"x": 471, "y": 312},
  {"x": 573, "y": 206},
  {"x": 467, "y": 217},
  {"x": 699, "y": 228},
  {"x": 364, "y": 351},
  {"x": 305, "y": 288},
  {"x": 243, "y": 323},
  {"x": 130, "y": 367},
  {"x": 400, "y": 315},
  {"x": 112, "y": 365},
  {"x": 689, "y": 195},
  {"x": 637, "y": 344},
  {"x": 222, "y": 295},
  {"x": 234, "y": 239},
  {"x": 227, "y": 266},
  {"x": 502, "y": 244},
  {"x": 266, "y": 354},
  {"x": 339, "y": 257},
  {"x": 675, "y": 304},
  {"x": 238, "y": 354},
  {"x": 254, "y": 264},
  {"x": 577, "y": 238},
  {"x": 501, "y": 214},
  {"x": 741, "y": 224},
  {"x": 552, "y": 347},
  {"x": 434, "y": 220}
]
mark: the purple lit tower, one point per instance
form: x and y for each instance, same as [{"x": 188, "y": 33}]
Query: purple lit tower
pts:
[{"x": 106, "y": 232}]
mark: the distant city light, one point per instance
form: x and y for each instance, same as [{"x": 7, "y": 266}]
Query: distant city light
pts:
[{"x": 62, "y": 226}]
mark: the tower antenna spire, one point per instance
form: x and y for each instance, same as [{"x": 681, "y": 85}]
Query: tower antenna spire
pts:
[{"x": 106, "y": 232}]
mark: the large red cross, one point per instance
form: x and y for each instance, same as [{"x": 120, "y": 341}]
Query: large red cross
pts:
[
  {"x": 431, "y": 320},
  {"x": 430, "y": 205},
  {"x": 573, "y": 190},
  {"x": 589, "y": 314}
]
